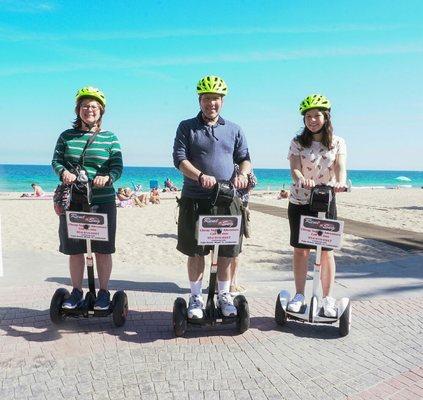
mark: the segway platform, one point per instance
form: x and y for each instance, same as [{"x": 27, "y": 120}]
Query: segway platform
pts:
[{"x": 320, "y": 232}]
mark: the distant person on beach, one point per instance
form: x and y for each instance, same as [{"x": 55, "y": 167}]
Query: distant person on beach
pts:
[
  {"x": 283, "y": 194},
  {"x": 316, "y": 156},
  {"x": 168, "y": 184},
  {"x": 38, "y": 191},
  {"x": 205, "y": 150},
  {"x": 127, "y": 198},
  {"x": 154, "y": 196},
  {"x": 86, "y": 146}
]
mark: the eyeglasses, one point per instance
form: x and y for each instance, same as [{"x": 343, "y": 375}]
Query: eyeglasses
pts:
[{"x": 94, "y": 108}]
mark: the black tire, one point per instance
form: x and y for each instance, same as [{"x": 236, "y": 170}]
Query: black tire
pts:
[
  {"x": 243, "y": 313},
  {"x": 345, "y": 321},
  {"x": 180, "y": 316},
  {"x": 56, "y": 314},
  {"x": 280, "y": 314},
  {"x": 120, "y": 308}
]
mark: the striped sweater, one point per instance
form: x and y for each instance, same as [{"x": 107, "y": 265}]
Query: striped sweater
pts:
[{"x": 102, "y": 157}]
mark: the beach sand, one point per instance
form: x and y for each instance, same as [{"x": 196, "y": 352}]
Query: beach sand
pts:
[
  {"x": 146, "y": 237},
  {"x": 393, "y": 208}
]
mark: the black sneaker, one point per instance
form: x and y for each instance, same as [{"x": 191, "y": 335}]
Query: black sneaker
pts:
[
  {"x": 103, "y": 300},
  {"x": 73, "y": 300}
]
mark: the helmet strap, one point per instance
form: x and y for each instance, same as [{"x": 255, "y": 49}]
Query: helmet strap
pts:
[
  {"x": 90, "y": 126},
  {"x": 207, "y": 119}
]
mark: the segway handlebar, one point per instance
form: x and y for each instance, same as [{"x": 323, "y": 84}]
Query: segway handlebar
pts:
[
  {"x": 223, "y": 193},
  {"x": 346, "y": 188}
]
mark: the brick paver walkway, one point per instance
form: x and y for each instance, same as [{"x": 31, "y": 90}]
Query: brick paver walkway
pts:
[{"x": 382, "y": 358}]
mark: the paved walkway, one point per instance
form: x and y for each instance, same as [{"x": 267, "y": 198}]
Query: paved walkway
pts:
[{"x": 382, "y": 358}]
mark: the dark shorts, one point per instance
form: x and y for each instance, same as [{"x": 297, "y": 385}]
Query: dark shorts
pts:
[
  {"x": 79, "y": 246},
  {"x": 189, "y": 210},
  {"x": 294, "y": 216}
]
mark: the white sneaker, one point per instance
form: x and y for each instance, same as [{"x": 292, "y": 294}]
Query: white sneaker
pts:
[
  {"x": 295, "y": 304},
  {"x": 195, "y": 307},
  {"x": 329, "y": 307},
  {"x": 226, "y": 304}
]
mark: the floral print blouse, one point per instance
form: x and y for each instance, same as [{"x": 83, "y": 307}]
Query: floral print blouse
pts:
[{"x": 317, "y": 163}]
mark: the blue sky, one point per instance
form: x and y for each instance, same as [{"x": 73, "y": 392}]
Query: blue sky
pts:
[{"x": 366, "y": 56}]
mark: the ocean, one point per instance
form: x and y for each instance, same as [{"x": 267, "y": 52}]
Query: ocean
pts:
[{"x": 18, "y": 178}]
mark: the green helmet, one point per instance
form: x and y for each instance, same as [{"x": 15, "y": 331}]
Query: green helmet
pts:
[
  {"x": 314, "y": 101},
  {"x": 89, "y": 91},
  {"x": 212, "y": 84}
]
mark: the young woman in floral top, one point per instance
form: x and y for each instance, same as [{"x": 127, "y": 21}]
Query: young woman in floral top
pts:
[{"x": 316, "y": 156}]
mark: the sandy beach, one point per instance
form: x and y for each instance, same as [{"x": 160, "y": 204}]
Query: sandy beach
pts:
[
  {"x": 146, "y": 237},
  {"x": 393, "y": 208}
]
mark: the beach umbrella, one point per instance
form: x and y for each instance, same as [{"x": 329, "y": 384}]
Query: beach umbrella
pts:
[{"x": 403, "y": 178}]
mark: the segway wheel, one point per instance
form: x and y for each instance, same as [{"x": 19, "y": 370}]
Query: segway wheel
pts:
[
  {"x": 243, "y": 313},
  {"x": 345, "y": 321},
  {"x": 280, "y": 314},
  {"x": 120, "y": 308},
  {"x": 56, "y": 314},
  {"x": 180, "y": 316}
]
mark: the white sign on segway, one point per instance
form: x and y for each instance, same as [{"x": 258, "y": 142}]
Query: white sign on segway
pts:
[
  {"x": 82, "y": 225},
  {"x": 321, "y": 232},
  {"x": 219, "y": 229}
]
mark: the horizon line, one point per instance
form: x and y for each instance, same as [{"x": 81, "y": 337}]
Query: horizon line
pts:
[{"x": 255, "y": 168}]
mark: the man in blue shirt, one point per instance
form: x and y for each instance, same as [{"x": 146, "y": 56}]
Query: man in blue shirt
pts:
[{"x": 205, "y": 150}]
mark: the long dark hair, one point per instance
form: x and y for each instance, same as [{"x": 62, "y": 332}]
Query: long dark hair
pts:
[
  {"x": 305, "y": 138},
  {"x": 78, "y": 123}
]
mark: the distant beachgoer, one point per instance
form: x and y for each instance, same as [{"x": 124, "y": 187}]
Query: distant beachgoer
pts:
[
  {"x": 102, "y": 162},
  {"x": 155, "y": 196},
  {"x": 123, "y": 200},
  {"x": 38, "y": 191},
  {"x": 316, "y": 156},
  {"x": 283, "y": 194},
  {"x": 127, "y": 198},
  {"x": 140, "y": 200},
  {"x": 168, "y": 184}
]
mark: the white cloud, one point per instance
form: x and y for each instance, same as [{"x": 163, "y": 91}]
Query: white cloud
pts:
[
  {"x": 26, "y": 6},
  {"x": 139, "y": 35},
  {"x": 238, "y": 58}
]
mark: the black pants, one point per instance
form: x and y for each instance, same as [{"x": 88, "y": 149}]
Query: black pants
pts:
[
  {"x": 79, "y": 246},
  {"x": 189, "y": 210},
  {"x": 295, "y": 211}
]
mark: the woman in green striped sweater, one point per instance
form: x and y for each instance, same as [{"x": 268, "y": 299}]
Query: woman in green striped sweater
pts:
[{"x": 102, "y": 162}]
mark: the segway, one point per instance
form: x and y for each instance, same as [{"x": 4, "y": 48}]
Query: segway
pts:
[
  {"x": 317, "y": 231},
  {"x": 84, "y": 223},
  {"x": 216, "y": 230}
]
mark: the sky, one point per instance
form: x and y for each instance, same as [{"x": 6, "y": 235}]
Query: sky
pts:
[{"x": 147, "y": 56}]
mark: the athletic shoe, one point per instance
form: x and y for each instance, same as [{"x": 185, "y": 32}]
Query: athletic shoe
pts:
[
  {"x": 296, "y": 303},
  {"x": 73, "y": 300},
  {"x": 226, "y": 304},
  {"x": 103, "y": 300},
  {"x": 329, "y": 307},
  {"x": 195, "y": 307}
]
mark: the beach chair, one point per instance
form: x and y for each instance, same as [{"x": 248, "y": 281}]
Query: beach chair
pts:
[{"x": 154, "y": 184}]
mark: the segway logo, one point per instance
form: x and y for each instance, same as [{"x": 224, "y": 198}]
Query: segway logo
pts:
[
  {"x": 331, "y": 226},
  {"x": 79, "y": 218},
  {"x": 219, "y": 222}
]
